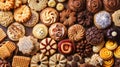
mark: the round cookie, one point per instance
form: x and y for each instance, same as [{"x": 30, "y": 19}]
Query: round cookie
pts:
[
  {"x": 111, "y": 5},
  {"x": 94, "y": 5},
  {"x": 60, "y": 6},
  {"x": 48, "y": 46},
  {"x": 76, "y": 5},
  {"x": 6, "y": 5},
  {"x": 37, "y": 5},
  {"x": 57, "y": 60},
  {"x": 76, "y": 32},
  {"x": 74, "y": 60},
  {"x": 66, "y": 47},
  {"x": 40, "y": 31},
  {"x": 105, "y": 54},
  {"x": 85, "y": 18},
  {"x": 6, "y": 18},
  {"x": 117, "y": 52},
  {"x": 116, "y": 17},
  {"x": 48, "y": 16},
  {"x": 15, "y": 31},
  {"x": 102, "y": 19},
  {"x": 67, "y": 17},
  {"x": 94, "y": 36},
  {"x": 61, "y": 0},
  {"x": 22, "y": 14},
  {"x": 33, "y": 19},
  {"x": 57, "y": 31},
  {"x": 108, "y": 63},
  {"x": 39, "y": 60},
  {"x": 51, "y": 3},
  {"x": 111, "y": 45}
]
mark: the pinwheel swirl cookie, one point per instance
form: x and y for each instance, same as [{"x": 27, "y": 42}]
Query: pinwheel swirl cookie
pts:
[
  {"x": 6, "y": 5},
  {"x": 76, "y": 32},
  {"x": 48, "y": 46},
  {"x": 105, "y": 54},
  {"x": 66, "y": 46},
  {"x": 108, "y": 63},
  {"x": 15, "y": 31},
  {"x": 48, "y": 16},
  {"x": 117, "y": 52},
  {"x": 111, "y": 45}
]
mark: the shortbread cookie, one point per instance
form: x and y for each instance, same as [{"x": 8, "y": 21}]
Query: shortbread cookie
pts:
[
  {"x": 40, "y": 31},
  {"x": 57, "y": 60},
  {"x": 33, "y": 19},
  {"x": 4, "y": 52},
  {"x": 2, "y": 34},
  {"x": 108, "y": 63},
  {"x": 48, "y": 46},
  {"x": 37, "y": 5},
  {"x": 60, "y": 6},
  {"x": 10, "y": 45},
  {"x": 15, "y": 31},
  {"x": 6, "y": 17},
  {"x": 22, "y": 14},
  {"x": 111, "y": 45},
  {"x": 48, "y": 16},
  {"x": 20, "y": 61},
  {"x": 39, "y": 60},
  {"x": 25, "y": 45},
  {"x": 6, "y": 5},
  {"x": 18, "y": 3},
  {"x": 51, "y": 3}
]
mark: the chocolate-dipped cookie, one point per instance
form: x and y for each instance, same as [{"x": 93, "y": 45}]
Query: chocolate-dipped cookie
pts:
[
  {"x": 94, "y": 5},
  {"x": 66, "y": 47}
]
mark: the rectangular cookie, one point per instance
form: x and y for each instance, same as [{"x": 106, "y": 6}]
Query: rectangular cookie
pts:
[
  {"x": 2, "y": 34},
  {"x": 10, "y": 45},
  {"x": 20, "y": 61},
  {"x": 4, "y": 52}
]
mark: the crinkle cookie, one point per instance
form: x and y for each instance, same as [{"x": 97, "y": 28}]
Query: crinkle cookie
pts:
[
  {"x": 6, "y": 5},
  {"x": 37, "y": 5},
  {"x": 22, "y": 14},
  {"x": 6, "y": 17}
]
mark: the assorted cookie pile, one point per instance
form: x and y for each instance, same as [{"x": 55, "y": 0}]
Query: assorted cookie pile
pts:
[{"x": 59, "y": 33}]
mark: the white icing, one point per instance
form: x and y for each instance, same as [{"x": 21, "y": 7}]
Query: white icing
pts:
[
  {"x": 114, "y": 33},
  {"x": 103, "y": 19}
]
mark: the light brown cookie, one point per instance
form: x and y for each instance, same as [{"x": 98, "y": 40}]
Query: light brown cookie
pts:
[
  {"x": 33, "y": 19},
  {"x": 6, "y": 18},
  {"x": 22, "y": 14},
  {"x": 6, "y": 5},
  {"x": 17, "y": 3},
  {"x": 15, "y": 31},
  {"x": 37, "y": 5},
  {"x": 48, "y": 16},
  {"x": 2, "y": 34}
]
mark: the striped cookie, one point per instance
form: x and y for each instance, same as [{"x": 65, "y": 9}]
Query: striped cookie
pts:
[{"x": 20, "y": 61}]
